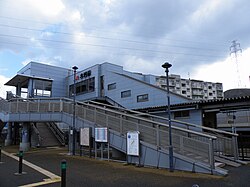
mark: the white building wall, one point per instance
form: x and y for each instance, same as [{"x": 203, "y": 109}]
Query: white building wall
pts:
[{"x": 56, "y": 74}]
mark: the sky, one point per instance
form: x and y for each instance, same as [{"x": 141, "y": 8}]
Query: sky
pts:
[{"x": 195, "y": 36}]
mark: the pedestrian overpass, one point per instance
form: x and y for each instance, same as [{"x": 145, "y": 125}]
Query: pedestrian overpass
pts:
[{"x": 196, "y": 148}]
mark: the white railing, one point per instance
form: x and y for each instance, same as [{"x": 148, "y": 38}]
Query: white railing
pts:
[
  {"x": 225, "y": 143},
  {"x": 186, "y": 142}
]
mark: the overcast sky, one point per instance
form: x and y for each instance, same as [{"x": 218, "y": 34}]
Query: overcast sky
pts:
[{"x": 193, "y": 35}]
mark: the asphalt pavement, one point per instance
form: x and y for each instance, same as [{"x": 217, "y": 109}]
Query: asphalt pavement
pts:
[{"x": 44, "y": 168}]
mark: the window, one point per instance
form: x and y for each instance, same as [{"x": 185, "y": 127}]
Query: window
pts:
[
  {"x": 181, "y": 114},
  {"x": 126, "y": 93},
  {"x": 112, "y": 86},
  {"x": 42, "y": 88},
  {"x": 184, "y": 92},
  {"x": 142, "y": 98},
  {"x": 85, "y": 86}
]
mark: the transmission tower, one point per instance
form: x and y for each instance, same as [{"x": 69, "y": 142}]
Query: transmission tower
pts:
[{"x": 235, "y": 52}]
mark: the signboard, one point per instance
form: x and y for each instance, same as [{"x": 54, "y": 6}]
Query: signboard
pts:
[
  {"x": 133, "y": 143},
  {"x": 85, "y": 136},
  {"x": 101, "y": 134}
]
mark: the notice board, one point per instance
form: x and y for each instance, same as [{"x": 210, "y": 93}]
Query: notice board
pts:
[
  {"x": 101, "y": 134},
  {"x": 85, "y": 136},
  {"x": 133, "y": 143}
]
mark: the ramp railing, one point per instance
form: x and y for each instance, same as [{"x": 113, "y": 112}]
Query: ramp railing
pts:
[
  {"x": 225, "y": 144},
  {"x": 152, "y": 132}
]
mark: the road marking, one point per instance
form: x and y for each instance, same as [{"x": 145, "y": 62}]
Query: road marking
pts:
[
  {"x": 46, "y": 181},
  {"x": 52, "y": 177}
]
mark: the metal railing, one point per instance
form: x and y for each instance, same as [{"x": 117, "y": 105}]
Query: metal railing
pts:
[
  {"x": 59, "y": 134},
  {"x": 225, "y": 143},
  {"x": 193, "y": 144}
]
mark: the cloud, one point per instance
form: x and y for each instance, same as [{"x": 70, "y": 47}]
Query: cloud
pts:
[
  {"x": 3, "y": 88},
  {"x": 230, "y": 73},
  {"x": 139, "y": 35}
]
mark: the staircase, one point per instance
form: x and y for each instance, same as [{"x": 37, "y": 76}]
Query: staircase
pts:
[{"x": 48, "y": 139}]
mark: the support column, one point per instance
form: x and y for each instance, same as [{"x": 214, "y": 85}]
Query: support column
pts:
[
  {"x": 70, "y": 140},
  {"x": 18, "y": 89},
  {"x": 25, "y": 144},
  {"x": 8, "y": 140}
]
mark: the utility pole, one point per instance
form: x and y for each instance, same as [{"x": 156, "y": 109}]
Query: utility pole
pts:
[{"x": 235, "y": 52}]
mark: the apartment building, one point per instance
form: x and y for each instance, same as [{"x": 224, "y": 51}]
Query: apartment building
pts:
[{"x": 194, "y": 89}]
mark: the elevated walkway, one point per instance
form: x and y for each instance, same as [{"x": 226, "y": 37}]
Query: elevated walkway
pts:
[{"x": 193, "y": 151}]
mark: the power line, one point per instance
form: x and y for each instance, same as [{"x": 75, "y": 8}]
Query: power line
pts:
[
  {"x": 94, "y": 51},
  {"x": 108, "y": 46},
  {"x": 123, "y": 33},
  {"x": 109, "y": 38}
]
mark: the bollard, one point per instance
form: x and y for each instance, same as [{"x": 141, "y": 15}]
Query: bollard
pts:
[
  {"x": 0, "y": 153},
  {"x": 20, "y": 170},
  {"x": 63, "y": 173}
]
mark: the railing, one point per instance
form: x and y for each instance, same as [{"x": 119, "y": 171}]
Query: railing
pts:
[
  {"x": 225, "y": 143},
  {"x": 57, "y": 132},
  {"x": 153, "y": 132},
  {"x": 38, "y": 136}
]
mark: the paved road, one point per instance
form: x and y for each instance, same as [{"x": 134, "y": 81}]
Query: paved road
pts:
[{"x": 83, "y": 171}]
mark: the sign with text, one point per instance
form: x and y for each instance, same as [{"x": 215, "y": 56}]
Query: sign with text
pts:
[
  {"x": 85, "y": 136},
  {"x": 133, "y": 143},
  {"x": 101, "y": 134}
]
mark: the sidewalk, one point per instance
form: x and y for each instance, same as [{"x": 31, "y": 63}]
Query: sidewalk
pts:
[{"x": 83, "y": 171}]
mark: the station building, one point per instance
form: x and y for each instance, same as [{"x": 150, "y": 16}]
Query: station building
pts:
[
  {"x": 129, "y": 92},
  {"x": 105, "y": 81},
  {"x": 110, "y": 83}
]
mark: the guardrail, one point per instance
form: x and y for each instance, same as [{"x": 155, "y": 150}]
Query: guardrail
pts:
[
  {"x": 226, "y": 143},
  {"x": 152, "y": 132}
]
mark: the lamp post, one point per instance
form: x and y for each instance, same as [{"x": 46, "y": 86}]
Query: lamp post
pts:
[
  {"x": 74, "y": 113},
  {"x": 166, "y": 66}
]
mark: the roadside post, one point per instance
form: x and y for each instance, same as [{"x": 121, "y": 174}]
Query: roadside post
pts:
[{"x": 63, "y": 173}]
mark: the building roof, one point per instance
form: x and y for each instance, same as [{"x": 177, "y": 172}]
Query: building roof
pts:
[
  {"x": 219, "y": 104},
  {"x": 23, "y": 80},
  {"x": 237, "y": 92}
]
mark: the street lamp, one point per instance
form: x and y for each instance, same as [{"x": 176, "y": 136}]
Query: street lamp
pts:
[
  {"x": 166, "y": 66},
  {"x": 74, "y": 113}
]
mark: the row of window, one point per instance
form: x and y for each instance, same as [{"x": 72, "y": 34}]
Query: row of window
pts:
[
  {"x": 127, "y": 93},
  {"x": 140, "y": 98},
  {"x": 85, "y": 86}
]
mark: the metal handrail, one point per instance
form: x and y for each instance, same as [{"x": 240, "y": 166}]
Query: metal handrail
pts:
[
  {"x": 222, "y": 136},
  {"x": 57, "y": 132},
  {"x": 159, "y": 117},
  {"x": 85, "y": 106},
  {"x": 230, "y": 145}
]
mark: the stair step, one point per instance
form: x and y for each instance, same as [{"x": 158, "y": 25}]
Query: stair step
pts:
[
  {"x": 227, "y": 162},
  {"x": 48, "y": 138}
]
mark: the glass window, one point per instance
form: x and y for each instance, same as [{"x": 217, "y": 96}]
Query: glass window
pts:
[
  {"x": 42, "y": 88},
  {"x": 82, "y": 87},
  {"x": 112, "y": 86},
  {"x": 181, "y": 114},
  {"x": 126, "y": 93},
  {"x": 142, "y": 98}
]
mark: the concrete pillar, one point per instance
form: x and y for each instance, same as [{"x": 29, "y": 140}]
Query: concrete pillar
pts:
[
  {"x": 31, "y": 88},
  {"x": 25, "y": 144},
  {"x": 18, "y": 89},
  {"x": 8, "y": 140}
]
